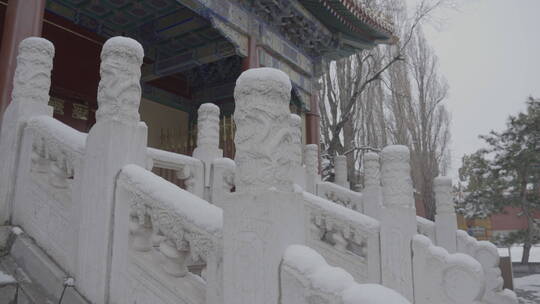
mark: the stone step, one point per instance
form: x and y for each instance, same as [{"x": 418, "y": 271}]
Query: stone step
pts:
[
  {"x": 39, "y": 280},
  {"x": 8, "y": 288}
]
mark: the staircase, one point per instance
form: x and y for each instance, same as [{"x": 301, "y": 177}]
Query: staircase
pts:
[{"x": 97, "y": 224}]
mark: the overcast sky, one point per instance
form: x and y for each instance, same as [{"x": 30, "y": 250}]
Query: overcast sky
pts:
[{"x": 489, "y": 51}]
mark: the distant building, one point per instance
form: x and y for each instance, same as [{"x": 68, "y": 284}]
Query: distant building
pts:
[{"x": 496, "y": 225}]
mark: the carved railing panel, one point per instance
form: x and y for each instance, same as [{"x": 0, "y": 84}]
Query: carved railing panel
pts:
[
  {"x": 169, "y": 231},
  {"x": 56, "y": 150},
  {"x": 443, "y": 278},
  {"x": 182, "y": 170},
  {"x": 487, "y": 254},
  {"x": 51, "y": 155},
  {"x": 340, "y": 195},
  {"x": 344, "y": 237}
]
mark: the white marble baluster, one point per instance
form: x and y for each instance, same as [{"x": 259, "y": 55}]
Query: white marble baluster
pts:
[
  {"x": 372, "y": 195},
  {"x": 116, "y": 139},
  {"x": 398, "y": 220},
  {"x": 30, "y": 95},
  {"x": 311, "y": 162},
  {"x": 445, "y": 219},
  {"x": 340, "y": 171}
]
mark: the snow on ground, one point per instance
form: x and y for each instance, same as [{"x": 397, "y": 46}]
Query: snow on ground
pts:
[
  {"x": 517, "y": 251},
  {"x": 528, "y": 289},
  {"x": 6, "y": 279}
]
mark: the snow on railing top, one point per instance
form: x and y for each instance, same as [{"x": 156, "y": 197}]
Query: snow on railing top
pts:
[
  {"x": 426, "y": 227},
  {"x": 303, "y": 265},
  {"x": 184, "y": 208},
  {"x": 340, "y": 195},
  {"x": 58, "y": 133},
  {"x": 340, "y": 212}
]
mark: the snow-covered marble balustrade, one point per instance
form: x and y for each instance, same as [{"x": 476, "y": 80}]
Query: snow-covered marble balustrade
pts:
[{"x": 91, "y": 202}]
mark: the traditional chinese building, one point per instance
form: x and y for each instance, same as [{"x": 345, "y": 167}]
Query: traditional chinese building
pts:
[
  {"x": 194, "y": 52},
  {"x": 84, "y": 220}
]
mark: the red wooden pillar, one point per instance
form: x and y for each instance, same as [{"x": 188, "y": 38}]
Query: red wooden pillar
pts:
[
  {"x": 24, "y": 18},
  {"x": 313, "y": 121},
  {"x": 252, "y": 60}
]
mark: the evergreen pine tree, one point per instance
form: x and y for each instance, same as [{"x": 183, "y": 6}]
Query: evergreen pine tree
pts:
[{"x": 507, "y": 173}]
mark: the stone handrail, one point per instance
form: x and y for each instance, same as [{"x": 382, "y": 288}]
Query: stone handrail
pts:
[
  {"x": 426, "y": 227},
  {"x": 346, "y": 238},
  {"x": 340, "y": 195},
  {"x": 443, "y": 278},
  {"x": 187, "y": 168},
  {"x": 56, "y": 148},
  {"x": 307, "y": 278},
  {"x": 167, "y": 217},
  {"x": 170, "y": 229},
  {"x": 487, "y": 254}
]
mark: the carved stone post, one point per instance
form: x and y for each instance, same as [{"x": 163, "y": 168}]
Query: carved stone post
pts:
[
  {"x": 311, "y": 160},
  {"x": 372, "y": 192},
  {"x": 261, "y": 219},
  {"x": 296, "y": 150},
  {"x": 29, "y": 97},
  {"x": 445, "y": 219},
  {"x": 118, "y": 138},
  {"x": 340, "y": 171},
  {"x": 398, "y": 220},
  {"x": 207, "y": 140}
]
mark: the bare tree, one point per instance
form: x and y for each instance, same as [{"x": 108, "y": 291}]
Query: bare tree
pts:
[
  {"x": 427, "y": 120},
  {"x": 352, "y": 96}
]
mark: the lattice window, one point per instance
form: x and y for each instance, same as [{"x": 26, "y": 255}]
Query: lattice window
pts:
[
  {"x": 57, "y": 104},
  {"x": 80, "y": 111}
]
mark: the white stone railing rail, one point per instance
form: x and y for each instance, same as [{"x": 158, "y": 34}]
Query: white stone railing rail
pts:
[
  {"x": 340, "y": 195},
  {"x": 443, "y": 278},
  {"x": 57, "y": 149},
  {"x": 169, "y": 229},
  {"x": 372, "y": 194},
  {"x": 344, "y": 237},
  {"x": 426, "y": 228},
  {"x": 307, "y": 278},
  {"x": 486, "y": 253},
  {"x": 311, "y": 167},
  {"x": 47, "y": 182},
  {"x": 221, "y": 179},
  {"x": 186, "y": 168},
  {"x": 340, "y": 171}
]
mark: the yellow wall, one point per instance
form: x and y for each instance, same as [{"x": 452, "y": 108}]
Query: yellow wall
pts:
[
  {"x": 485, "y": 223},
  {"x": 167, "y": 127}
]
